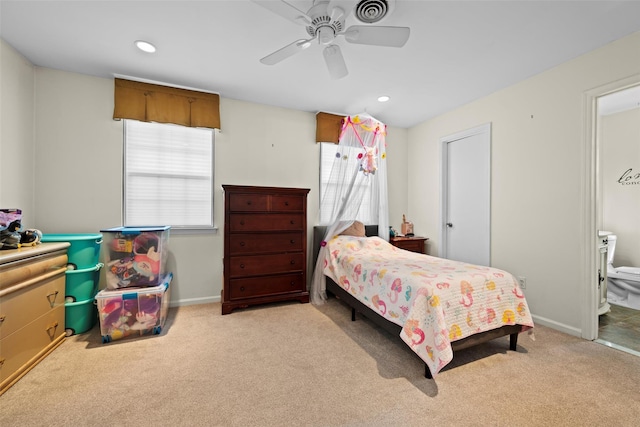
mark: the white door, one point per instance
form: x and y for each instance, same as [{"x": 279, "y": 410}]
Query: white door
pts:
[{"x": 466, "y": 228}]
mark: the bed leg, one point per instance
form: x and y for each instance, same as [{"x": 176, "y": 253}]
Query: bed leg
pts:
[
  {"x": 427, "y": 372},
  {"x": 513, "y": 342},
  {"x": 353, "y": 314}
]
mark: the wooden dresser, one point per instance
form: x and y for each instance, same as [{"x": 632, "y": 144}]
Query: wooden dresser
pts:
[
  {"x": 32, "y": 289},
  {"x": 265, "y": 246},
  {"x": 413, "y": 244}
]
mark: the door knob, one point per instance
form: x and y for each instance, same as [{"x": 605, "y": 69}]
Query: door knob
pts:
[{"x": 449, "y": 225}]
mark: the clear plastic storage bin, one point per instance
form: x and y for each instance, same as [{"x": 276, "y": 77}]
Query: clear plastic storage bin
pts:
[
  {"x": 133, "y": 312},
  {"x": 135, "y": 256}
]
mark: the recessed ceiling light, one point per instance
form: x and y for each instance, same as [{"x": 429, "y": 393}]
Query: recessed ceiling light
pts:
[
  {"x": 383, "y": 98},
  {"x": 145, "y": 46}
]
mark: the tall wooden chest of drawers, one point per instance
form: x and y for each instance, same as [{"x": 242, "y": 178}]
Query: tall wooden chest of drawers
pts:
[
  {"x": 32, "y": 290},
  {"x": 265, "y": 246}
]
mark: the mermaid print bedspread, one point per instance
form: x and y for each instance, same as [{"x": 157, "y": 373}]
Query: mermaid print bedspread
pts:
[{"x": 435, "y": 300}]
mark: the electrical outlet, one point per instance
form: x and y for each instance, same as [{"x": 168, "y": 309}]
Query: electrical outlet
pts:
[{"x": 522, "y": 281}]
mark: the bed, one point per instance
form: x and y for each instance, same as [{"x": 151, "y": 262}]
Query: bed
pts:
[{"x": 436, "y": 306}]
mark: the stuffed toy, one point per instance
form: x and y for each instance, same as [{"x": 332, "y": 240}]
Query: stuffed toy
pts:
[{"x": 10, "y": 237}]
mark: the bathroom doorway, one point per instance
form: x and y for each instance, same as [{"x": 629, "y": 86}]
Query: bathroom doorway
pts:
[{"x": 618, "y": 201}]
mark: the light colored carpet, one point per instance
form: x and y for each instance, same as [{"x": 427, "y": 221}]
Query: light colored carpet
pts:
[{"x": 297, "y": 364}]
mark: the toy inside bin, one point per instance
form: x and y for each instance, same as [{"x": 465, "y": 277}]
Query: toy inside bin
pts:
[
  {"x": 133, "y": 312},
  {"x": 135, "y": 256}
]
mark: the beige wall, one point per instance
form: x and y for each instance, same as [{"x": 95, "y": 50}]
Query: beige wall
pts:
[
  {"x": 17, "y": 139},
  {"x": 78, "y": 167},
  {"x": 538, "y": 152},
  {"x": 538, "y": 168},
  {"x": 620, "y": 151}
]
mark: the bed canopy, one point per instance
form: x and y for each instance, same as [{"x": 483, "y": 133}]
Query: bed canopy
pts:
[{"x": 357, "y": 184}]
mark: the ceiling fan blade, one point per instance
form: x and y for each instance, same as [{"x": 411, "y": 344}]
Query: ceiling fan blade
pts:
[
  {"x": 285, "y": 52},
  {"x": 377, "y": 36},
  {"x": 286, "y": 10},
  {"x": 335, "y": 61}
]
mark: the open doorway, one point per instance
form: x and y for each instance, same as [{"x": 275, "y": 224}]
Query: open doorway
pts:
[{"x": 618, "y": 189}]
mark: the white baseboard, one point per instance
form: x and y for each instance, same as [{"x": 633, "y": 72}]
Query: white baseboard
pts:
[
  {"x": 537, "y": 320},
  {"x": 194, "y": 301}
]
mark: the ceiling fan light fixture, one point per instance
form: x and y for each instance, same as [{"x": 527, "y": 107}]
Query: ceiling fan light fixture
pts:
[
  {"x": 326, "y": 35},
  {"x": 383, "y": 98},
  {"x": 145, "y": 46}
]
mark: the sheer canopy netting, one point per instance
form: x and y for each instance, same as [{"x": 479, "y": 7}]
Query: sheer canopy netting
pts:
[{"x": 357, "y": 185}]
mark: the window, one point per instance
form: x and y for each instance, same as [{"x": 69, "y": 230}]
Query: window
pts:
[
  {"x": 330, "y": 187},
  {"x": 168, "y": 175}
]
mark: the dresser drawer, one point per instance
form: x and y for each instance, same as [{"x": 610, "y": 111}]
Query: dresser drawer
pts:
[
  {"x": 240, "y": 244},
  {"x": 21, "y": 346},
  {"x": 270, "y": 222},
  {"x": 250, "y": 265},
  {"x": 29, "y": 269},
  {"x": 287, "y": 203},
  {"x": 266, "y": 286},
  {"x": 248, "y": 202},
  {"x": 21, "y": 307}
]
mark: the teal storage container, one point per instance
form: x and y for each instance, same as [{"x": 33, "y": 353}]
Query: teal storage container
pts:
[
  {"x": 84, "y": 251},
  {"x": 80, "y": 316},
  {"x": 82, "y": 284}
]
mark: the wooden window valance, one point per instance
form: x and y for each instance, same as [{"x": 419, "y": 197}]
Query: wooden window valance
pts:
[
  {"x": 328, "y": 127},
  {"x": 163, "y": 104}
]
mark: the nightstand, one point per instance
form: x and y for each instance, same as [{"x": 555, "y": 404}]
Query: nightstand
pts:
[{"x": 413, "y": 244}]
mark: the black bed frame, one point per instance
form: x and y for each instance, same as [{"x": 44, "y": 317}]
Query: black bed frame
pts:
[{"x": 357, "y": 307}]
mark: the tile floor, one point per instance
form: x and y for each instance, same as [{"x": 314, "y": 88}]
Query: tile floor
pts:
[{"x": 621, "y": 326}]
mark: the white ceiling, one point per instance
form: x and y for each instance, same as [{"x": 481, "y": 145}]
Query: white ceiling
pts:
[{"x": 457, "y": 51}]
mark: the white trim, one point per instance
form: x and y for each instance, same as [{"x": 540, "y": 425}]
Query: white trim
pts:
[
  {"x": 592, "y": 206},
  {"x": 482, "y": 129},
  {"x": 193, "y": 301},
  {"x": 543, "y": 321}
]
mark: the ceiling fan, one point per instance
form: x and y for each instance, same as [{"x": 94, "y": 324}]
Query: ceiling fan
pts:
[{"x": 325, "y": 21}]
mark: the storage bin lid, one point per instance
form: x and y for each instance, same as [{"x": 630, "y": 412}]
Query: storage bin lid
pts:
[
  {"x": 133, "y": 292},
  {"x": 136, "y": 230},
  {"x": 70, "y": 237}
]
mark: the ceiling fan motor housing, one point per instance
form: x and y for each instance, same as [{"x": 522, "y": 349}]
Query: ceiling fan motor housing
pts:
[{"x": 325, "y": 24}]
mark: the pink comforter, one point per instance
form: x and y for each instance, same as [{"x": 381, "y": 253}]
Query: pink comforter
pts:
[{"x": 435, "y": 300}]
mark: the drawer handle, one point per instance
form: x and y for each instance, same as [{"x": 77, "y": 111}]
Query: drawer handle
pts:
[
  {"x": 241, "y": 243},
  {"x": 242, "y": 222},
  {"x": 293, "y": 283},
  {"x": 292, "y": 241},
  {"x": 2, "y": 318},
  {"x": 292, "y": 222},
  {"x": 51, "y": 330},
  {"x": 293, "y": 261},
  {"x": 241, "y": 288},
  {"x": 286, "y": 203},
  {"x": 54, "y": 295},
  {"x": 1, "y": 362},
  {"x": 241, "y": 265}
]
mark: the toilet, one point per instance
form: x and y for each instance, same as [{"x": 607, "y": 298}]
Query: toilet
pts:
[{"x": 623, "y": 283}]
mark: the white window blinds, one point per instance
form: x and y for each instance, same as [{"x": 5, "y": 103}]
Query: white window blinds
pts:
[{"x": 168, "y": 175}]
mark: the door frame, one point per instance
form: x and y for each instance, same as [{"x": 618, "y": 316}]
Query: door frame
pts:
[
  {"x": 592, "y": 203},
  {"x": 444, "y": 182}
]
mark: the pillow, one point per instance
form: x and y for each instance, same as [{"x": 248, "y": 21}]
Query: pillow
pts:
[{"x": 355, "y": 229}]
